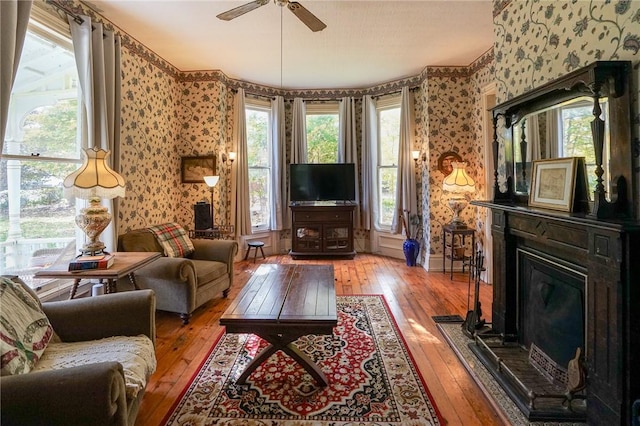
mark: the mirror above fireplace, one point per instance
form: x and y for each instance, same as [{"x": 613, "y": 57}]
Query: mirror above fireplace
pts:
[{"x": 583, "y": 114}]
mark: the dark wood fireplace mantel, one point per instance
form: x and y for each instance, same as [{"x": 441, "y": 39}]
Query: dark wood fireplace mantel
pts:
[
  {"x": 609, "y": 254},
  {"x": 597, "y": 241}
]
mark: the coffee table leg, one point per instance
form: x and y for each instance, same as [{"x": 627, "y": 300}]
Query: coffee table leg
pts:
[
  {"x": 255, "y": 363},
  {"x": 306, "y": 362},
  {"x": 290, "y": 349}
]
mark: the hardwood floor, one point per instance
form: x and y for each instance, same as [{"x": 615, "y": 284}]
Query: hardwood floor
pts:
[{"x": 413, "y": 294}]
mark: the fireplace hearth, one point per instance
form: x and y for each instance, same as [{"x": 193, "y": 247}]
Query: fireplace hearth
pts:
[{"x": 532, "y": 365}]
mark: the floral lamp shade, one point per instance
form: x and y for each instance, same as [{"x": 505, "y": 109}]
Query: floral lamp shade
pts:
[{"x": 458, "y": 183}]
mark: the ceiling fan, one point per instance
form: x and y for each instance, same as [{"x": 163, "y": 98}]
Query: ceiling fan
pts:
[{"x": 308, "y": 18}]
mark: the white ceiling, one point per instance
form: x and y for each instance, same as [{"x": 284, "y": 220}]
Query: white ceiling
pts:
[{"x": 365, "y": 42}]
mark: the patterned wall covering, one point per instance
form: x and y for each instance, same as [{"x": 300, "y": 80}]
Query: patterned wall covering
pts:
[
  {"x": 148, "y": 158},
  {"x": 454, "y": 119},
  {"x": 204, "y": 118},
  {"x": 538, "y": 41}
]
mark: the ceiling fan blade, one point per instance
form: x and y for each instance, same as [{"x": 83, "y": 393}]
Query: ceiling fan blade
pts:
[
  {"x": 241, "y": 10},
  {"x": 308, "y": 18}
]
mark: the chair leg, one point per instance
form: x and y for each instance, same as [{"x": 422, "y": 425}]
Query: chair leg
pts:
[
  {"x": 255, "y": 254},
  {"x": 246, "y": 255},
  {"x": 185, "y": 318},
  {"x": 262, "y": 251},
  {"x": 225, "y": 293}
]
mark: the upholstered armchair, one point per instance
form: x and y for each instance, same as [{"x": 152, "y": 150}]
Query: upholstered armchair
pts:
[
  {"x": 94, "y": 368},
  {"x": 191, "y": 272}
]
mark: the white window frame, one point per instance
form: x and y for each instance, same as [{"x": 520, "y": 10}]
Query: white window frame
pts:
[
  {"x": 384, "y": 104},
  {"x": 263, "y": 106}
]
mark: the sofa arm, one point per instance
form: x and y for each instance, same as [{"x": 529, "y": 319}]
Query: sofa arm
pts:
[
  {"x": 90, "y": 394},
  {"x": 220, "y": 250},
  {"x": 169, "y": 269},
  {"x": 129, "y": 313}
]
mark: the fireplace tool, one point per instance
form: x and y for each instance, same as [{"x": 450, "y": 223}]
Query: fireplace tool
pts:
[{"x": 474, "y": 321}]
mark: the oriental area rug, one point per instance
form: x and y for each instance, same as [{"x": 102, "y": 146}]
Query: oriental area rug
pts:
[{"x": 372, "y": 378}]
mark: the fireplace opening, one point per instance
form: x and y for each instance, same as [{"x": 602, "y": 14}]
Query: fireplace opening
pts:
[{"x": 542, "y": 369}]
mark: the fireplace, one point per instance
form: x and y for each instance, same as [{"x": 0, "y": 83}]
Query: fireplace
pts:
[
  {"x": 562, "y": 283},
  {"x": 565, "y": 277},
  {"x": 533, "y": 364}
]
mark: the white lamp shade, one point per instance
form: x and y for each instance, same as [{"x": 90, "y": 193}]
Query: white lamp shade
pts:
[
  {"x": 458, "y": 181},
  {"x": 232, "y": 156},
  {"x": 94, "y": 178},
  {"x": 211, "y": 181}
]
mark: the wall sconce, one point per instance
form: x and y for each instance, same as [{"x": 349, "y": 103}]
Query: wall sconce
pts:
[
  {"x": 229, "y": 157},
  {"x": 415, "y": 155}
]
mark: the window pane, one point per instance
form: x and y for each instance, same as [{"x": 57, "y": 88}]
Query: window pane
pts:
[
  {"x": 43, "y": 109},
  {"x": 36, "y": 221},
  {"x": 322, "y": 138},
  {"x": 258, "y": 137},
  {"x": 258, "y": 150},
  {"x": 259, "y": 197},
  {"x": 387, "y": 191},
  {"x": 389, "y": 136}
]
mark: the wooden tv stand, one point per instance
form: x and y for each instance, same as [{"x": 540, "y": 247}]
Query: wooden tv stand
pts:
[{"x": 322, "y": 229}]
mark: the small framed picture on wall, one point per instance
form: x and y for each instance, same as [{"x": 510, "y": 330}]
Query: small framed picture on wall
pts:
[{"x": 193, "y": 169}]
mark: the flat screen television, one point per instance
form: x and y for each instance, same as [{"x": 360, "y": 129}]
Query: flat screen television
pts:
[{"x": 322, "y": 182}]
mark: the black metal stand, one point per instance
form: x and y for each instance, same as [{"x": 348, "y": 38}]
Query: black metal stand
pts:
[{"x": 474, "y": 322}]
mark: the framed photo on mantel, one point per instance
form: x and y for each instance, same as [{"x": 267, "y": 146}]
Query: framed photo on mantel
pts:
[
  {"x": 553, "y": 183},
  {"x": 193, "y": 169}
]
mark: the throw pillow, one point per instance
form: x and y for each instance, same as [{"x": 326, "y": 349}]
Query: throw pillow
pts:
[
  {"x": 25, "y": 330},
  {"x": 174, "y": 239}
]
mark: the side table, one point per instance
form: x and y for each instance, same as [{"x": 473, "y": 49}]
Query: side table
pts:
[
  {"x": 449, "y": 251},
  {"x": 124, "y": 264},
  {"x": 218, "y": 232}
]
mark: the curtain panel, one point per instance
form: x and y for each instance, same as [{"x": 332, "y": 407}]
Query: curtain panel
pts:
[
  {"x": 242, "y": 215},
  {"x": 406, "y": 201},
  {"x": 279, "y": 201},
  {"x": 97, "y": 54},
  {"x": 369, "y": 161},
  {"x": 348, "y": 144},
  {"x": 299, "y": 132},
  {"x": 14, "y": 20}
]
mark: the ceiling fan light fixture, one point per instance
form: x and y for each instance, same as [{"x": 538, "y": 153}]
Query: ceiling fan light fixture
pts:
[{"x": 281, "y": 3}]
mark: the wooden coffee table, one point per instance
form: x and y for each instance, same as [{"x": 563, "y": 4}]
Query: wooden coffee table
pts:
[{"x": 281, "y": 303}]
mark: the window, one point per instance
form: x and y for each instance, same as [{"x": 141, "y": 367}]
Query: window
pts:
[
  {"x": 322, "y": 133},
  {"x": 258, "y": 119},
  {"x": 387, "y": 167},
  {"x": 40, "y": 149}
]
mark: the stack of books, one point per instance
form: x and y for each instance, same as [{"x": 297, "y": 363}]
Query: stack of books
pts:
[{"x": 83, "y": 263}]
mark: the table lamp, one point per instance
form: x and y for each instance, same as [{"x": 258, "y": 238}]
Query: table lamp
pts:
[
  {"x": 94, "y": 180},
  {"x": 458, "y": 182},
  {"x": 211, "y": 182}
]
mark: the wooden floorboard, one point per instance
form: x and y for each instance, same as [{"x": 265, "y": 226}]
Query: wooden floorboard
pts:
[{"x": 413, "y": 295}]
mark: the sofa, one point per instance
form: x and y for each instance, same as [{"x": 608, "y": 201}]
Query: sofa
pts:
[
  {"x": 190, "y": 273},
  {"x": 80, "y": 361}
]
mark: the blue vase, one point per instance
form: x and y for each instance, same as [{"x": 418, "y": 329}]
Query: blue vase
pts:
[{"x": 411, "y": 248}]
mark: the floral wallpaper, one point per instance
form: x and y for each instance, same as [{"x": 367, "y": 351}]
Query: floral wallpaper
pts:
[
  {"x": 537, "y": 41},
  {"x": 453, "y": 121}
]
